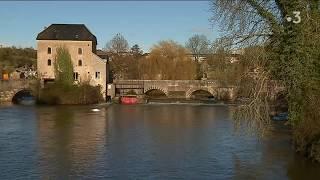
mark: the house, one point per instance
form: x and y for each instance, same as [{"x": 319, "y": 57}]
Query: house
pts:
[{"x": 81, "y": 44}]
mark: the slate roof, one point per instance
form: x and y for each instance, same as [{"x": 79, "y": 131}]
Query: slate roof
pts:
[{"x": 74, "y": 32}]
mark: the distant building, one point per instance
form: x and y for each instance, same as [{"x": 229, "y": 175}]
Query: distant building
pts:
[
  {"x": 103, "y": 54},
  {"x": 81, "y": 44}
]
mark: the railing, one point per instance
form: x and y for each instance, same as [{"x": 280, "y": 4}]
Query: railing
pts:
[
  {"x": 141, "y": 84},
  {"x": 164, "y": 81}
]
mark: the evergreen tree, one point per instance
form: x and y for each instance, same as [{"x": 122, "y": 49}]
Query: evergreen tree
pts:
[{"x": 135, "y": 50}]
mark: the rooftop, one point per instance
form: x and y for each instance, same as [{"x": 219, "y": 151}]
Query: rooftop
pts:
[{"x": 73, "y": 32}]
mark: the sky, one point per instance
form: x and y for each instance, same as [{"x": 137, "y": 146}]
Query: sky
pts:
[{"x": 141, "y": 22}]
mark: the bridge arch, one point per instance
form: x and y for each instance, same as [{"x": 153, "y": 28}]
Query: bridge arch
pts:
[
  {"x": 209, "y": 90},
  {"x": 18, "y": 93},
  {"x": 152, "y": 88},
  {"x": 9, "y": 88}
]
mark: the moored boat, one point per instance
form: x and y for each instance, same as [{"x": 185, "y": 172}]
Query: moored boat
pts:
[{"x": 129, "y": 99}]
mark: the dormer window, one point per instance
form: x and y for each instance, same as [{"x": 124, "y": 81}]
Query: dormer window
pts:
[
  {"x": 79, "y": 50},
  {"x": 49, "y": 50},
  {"x": 80, "y": 62}
]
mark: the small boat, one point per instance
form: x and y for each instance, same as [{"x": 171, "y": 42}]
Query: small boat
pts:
[
  {"x": 129, "y": 99},
  {"x": 27, "y": 100},
  {"x": 280, "y": 117}
]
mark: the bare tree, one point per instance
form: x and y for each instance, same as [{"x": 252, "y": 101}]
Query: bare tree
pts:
[
  {"x": 117, "y": 44},
  {"x": 289, "y": 31},
  {"x": 197, "y": 45},
  {"x": 220, "y": 45},
  {"x": 248, "y": 21}
]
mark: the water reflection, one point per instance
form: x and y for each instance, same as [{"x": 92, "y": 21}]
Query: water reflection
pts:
[
  {"x": 18, "y": 152},
  {"x": 143, "y": 141},
  {"x": 70, "y": 139}
]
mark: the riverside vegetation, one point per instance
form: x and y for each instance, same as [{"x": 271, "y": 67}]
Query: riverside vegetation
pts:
[
  {"x": 63, "y": 90},
  {"x": 288, "y": 32},
  {"x": 12, "y": 58}
]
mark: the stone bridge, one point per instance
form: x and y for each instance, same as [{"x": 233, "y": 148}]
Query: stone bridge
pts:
[
  {"x": 175, "y": 88},
  {"x": 9, "y": 88}
]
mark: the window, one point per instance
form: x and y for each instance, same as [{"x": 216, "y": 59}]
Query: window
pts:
[
  {"x": 49, "y": 62},
  {"x": 97, "y": 75},
  {"x": 49, "y": 50},
  {"x": 80, "y": 62},
  {"x": 79, "y": 50},
  {"x": 76, "y": 76}
]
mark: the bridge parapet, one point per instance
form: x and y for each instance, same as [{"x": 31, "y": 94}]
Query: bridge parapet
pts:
[
  {"x": 14, "y": 84},
  {"x": 194, "y": 83},
  {"x": 9, "y": 88}
]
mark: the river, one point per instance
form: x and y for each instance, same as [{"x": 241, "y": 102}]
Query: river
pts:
[{"x": 141, "y": 142}]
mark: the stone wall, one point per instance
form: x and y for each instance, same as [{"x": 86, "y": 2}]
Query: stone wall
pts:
[
  {"x": 6, "y": 96},
  {"x": 9, "y": 88}
]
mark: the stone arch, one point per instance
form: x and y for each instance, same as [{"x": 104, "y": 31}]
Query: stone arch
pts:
[
  {"x": 16, "y": 93},
  {"x": 155, "y": 88},
  {"x": 190, "y": 91},
  {"x": 281, "y": 101}
]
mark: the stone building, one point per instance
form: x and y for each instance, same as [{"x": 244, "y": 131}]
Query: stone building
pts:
[{"x": 81, "y": 44}]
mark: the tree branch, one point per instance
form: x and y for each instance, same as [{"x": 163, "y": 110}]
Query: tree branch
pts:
[{"x": 268, "y": 16}]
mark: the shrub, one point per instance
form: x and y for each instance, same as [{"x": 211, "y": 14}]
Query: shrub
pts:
[{"x": 58, "y": 93}]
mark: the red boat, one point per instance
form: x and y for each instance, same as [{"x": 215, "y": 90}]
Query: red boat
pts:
[{"x": 129, "y": 99}]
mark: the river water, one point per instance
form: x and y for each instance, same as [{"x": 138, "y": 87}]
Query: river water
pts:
[{"x": 141, "y": 142}]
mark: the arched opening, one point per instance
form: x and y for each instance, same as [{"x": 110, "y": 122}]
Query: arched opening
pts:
[
  {"x": 24, "y": 97},
  {"x": 281, "y": 102},
  {"x": 155, "y": 94},
  {"x": 202, "y": 95}
]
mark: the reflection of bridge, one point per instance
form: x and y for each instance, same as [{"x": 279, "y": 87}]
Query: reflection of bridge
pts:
[
  {"x": 8, "y": 89},
  {"x": 175, "y": 88}
]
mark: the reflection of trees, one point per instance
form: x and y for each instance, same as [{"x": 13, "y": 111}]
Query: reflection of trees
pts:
[
  {"x": 305, "y": 169},
  {"x": 69, "y": 138},
  {"x": 246, "y": 170},
  {"x": 272, "y": 158}
]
